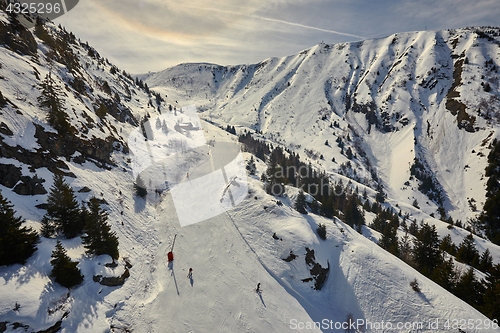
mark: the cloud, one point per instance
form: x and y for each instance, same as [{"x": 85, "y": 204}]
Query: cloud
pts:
[
  {"x": 142, "y": 35},
  {"x": 253, "y": 16},
  {"x": 450, "y": 13}
]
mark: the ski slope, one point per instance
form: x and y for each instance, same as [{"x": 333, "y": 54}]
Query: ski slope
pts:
[{"x": 232, "y": 252}]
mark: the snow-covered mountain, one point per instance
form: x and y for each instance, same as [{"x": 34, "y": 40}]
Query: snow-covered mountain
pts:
[
  {"x": 352, "y": 91},
  {"x": 430, "y": 96}
]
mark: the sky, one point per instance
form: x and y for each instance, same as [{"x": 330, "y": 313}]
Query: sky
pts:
[{"x": 150, "y": 35}]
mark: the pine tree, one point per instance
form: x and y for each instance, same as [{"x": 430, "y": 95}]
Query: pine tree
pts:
[
  {"x": 389, "y": 239},
  {"x": 380, "y": 196},
  {"x": 314, "y": 206},
  {"x": 48, "y": 227},
  {"x": 348, "y": 153},
  {"x": 140, "y": 187},
  {"x": 415, "y": 204},
  {"x": 274, "y": 177},
  {"x": 426, "y": 254},
  {"x": 64, "y": 270},
  {"x": 445, "y": 274},
  {"x": 42, "y": 33},
  {"x": 251, "y": 168},
  {"x": 467, "y": 252},
  {"x": 164, "y": 127},
  {"x": 491, "y": 306},
  {"x": 17, "y": 243},
  {"x": 63, "y": 213},
  {"x": 405, "y": 249},
  {"x": 98, "y": 238},
  {"x": 321, "y": 231},
  {"x": 413, "y": 228},
  {"x": 469, "y": 289},
  {"x": 352, "y": 215},
  {"x": 447, "y": 245},
  {"x": 51, "y": 101},
  {"x": 300, "y": 203},
  {"x": 485, "y": 261}
]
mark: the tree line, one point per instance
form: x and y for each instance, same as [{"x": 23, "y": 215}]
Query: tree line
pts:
[
  {"x": 425, "y": 251},
  {"x": 285, "y": 167},
  {"x": 65, "y": 218}
]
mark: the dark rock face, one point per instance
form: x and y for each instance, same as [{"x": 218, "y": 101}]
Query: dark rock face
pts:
[
  {"x": 9, "y": 175},
  {"x": 117, "y": 111},
  {"x": 42, "y": 206},
  {"x": 290, "y": 257},
  {"x": 318, "y": 273},
  {"x": 84, "y": 189},
  {"x": 55, "y": 147},
  {"x": 17, "y": 37},
  {"x": 4, "y": 129},
  {"x": 113, "y": 281},
  {"x": 30, "y": 186},
  {"x": 34, "y": 159}
]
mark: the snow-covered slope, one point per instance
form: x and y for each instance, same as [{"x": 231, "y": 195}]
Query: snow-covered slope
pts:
[
  {"x": 430, "y": 95},
  {"x": 229, "y": 253}
]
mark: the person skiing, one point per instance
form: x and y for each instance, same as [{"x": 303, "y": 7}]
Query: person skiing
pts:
[
  {"x": 258, "y": 288},
  {"x": 190, "y": 274}
]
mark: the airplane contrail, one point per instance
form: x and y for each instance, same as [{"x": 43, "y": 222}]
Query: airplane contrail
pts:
[
  {"x": 275, "y": 20},
  {"x": 304, "y": 26}
]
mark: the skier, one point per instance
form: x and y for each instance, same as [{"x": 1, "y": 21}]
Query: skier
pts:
[
  {"x": 258, "y": 288},
  {"x": 190, "y": 274}
]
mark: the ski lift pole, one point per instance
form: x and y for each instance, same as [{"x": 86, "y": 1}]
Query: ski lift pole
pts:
[
  {"x": 173, "y": 243},
  {"x": 170, "y": 255}
]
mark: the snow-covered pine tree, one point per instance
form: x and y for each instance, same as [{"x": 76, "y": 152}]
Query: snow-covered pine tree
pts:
[
  {"x": 300, "y": 203},
  {"x": 98, "y": 238},
  {"x": 321, "y": 231},
  {"x": 251, "y": 168},
  {"x": 164, "y": 127},
  {"x": 17, "y": 243},
  {"x": 64, "y": 270}
]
